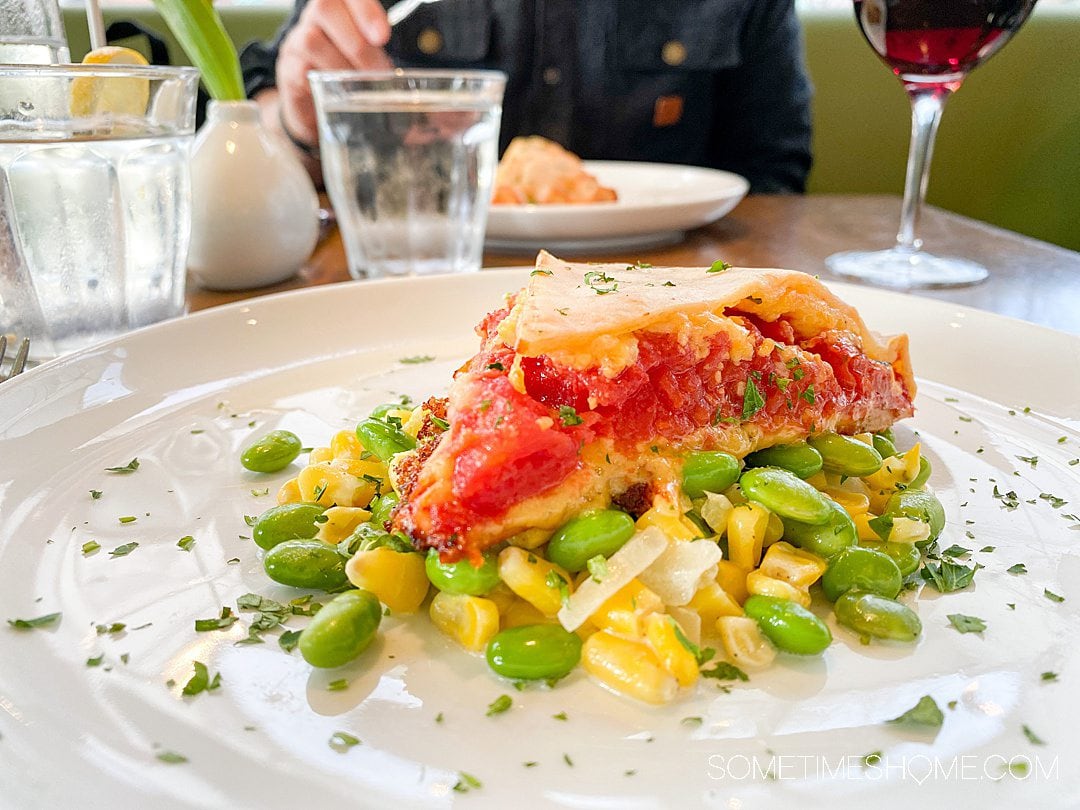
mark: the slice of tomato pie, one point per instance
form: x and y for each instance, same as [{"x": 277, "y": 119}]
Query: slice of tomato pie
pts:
[{"x": 596, "y": 379}]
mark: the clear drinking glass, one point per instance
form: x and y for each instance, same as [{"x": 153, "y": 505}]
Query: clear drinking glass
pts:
[
  {"x": 409, "y": 158},
  {"x": 931, "y": 46},
  {"x": 95, "y": 201},
  {"x": 32, "y": 33}
]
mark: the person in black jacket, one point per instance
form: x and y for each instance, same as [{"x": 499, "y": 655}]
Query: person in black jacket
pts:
[{"x": 717, "y": 83}]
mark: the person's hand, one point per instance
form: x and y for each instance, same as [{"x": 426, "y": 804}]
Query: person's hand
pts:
[{"x": 330, "y": 35}]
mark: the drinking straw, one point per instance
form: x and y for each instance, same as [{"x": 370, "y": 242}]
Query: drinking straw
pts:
[{"x": 96, "y": 24}]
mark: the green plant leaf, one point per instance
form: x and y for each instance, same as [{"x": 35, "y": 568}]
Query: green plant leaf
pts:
[{"x": 199, "y": 30}]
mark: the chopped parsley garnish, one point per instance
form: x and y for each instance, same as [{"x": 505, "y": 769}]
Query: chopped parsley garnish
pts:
[
  {"x": 601, "y": 283},
  {"x": 185, "y": 542},
  {"x": 1053, "y": 597},
  {"x": 288, "y": 640},
  {"x": 966, "y": 624},
  {"x": 90, "y": 546},
  {"x": 808, "y": 395},
  {"x": 130, "y": 467},
  {"x": 541, "y": 273},
  {"x": 568, "y": 416},
  {"x": 1019, "y": 568},
  {"x": 496, "y": 367},
  {"x": 1048, "y": 676},
  {"x": 111, "y": 629},
  {"x": 96, "y": 661},
  {"x": 127, "y": 519},
  {"x": 342, "y": 741},
  {"x": 225, "y": 620},
  {"x": 1032, "y": 460},
  {"x": 467, "y": 782},
  {"x": 955, "y": 551},
  {"x": 691, "y": 721},
  {"x": 123, "y": 550},
  {"x": 1054, "y": 500},
  {"x": 987, "y": 549},
  {"x": 752, "y": 401},
  {"x": 1010, "y": 500},
  {"x": 340, "y": 685},
  {"x": 560, "y": 716},
  {"x": 251, "y": 520},
  {"x": 567, "y": 760},
  {"x": 923, "y": 713},
  {"x": 201, "y": 680},
  {"x": 873, "y": 758},
  {"x": 556, "y": 580},
  {"x": 723, "y": 671},
  {"x": 439, "y": 422},
  {"x": 719, "y": 266},
  {"x": 947, "y": 576},
  {"x": 258, "y": 493},
  {"x": 1033, "y": 738},
  {"x": 171, "y": 758},
  {"x": 597, "y": 567},
  {"x": 501, "y": 704},
  {"x": 416, "y": 359},
  {"x": 95, "y": 494}
]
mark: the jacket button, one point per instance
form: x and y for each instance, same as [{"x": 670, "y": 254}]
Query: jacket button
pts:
[
  {"x": 552, "y": 76},
  {"x": 673, "y": 53},
  {"x": 429, "y": 41}
]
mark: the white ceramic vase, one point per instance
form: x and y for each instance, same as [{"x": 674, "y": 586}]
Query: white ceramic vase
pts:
[{"x": 255, "y": 213}]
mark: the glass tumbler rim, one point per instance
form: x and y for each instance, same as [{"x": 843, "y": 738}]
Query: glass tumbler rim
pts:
[
  {"x": 359, "y": 78},
  {"x": 74, "y": 71}
]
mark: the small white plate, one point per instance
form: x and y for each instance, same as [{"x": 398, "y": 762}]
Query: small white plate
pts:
[
  {"x": 657, "y": 203},
  {"x": 183, "y": 396}
]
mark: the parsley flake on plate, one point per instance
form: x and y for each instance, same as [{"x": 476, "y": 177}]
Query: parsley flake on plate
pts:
[
  {"x": 948, "y": 576},
  {"x": 186, "y": 542},
  {"x": 1019, "y": 568},
  {"x": 752, "y": 401},
  {"x": 723, "y": 671},
  {"x": 568, "y": 416},
  {"x": 95, "y": 494},
  {"x": 32, "y": 624},
  {"x": 201, "y": 680},
  {"x": 342, "y": 741},
  {"x": 1053, "y": 597},
  {"x": 719, "y": 266},
  {"x": 171, "y": 758},
  {"x": 1033, "y": 738},
  {"x": 416, "y": 359},
  {"x": 288, "y": 640},
  {"x": 923, "y": 713},
  {"x": 501, "y": 704},
  {"x": 225, "y": 620},
  {"x": 130, "y": 467},
  {"x": 966, "y": 624},
  {"x": 467, "y": 782},
  {"x": 124, "y": 550},
  {"x": 90, "y": 546}
]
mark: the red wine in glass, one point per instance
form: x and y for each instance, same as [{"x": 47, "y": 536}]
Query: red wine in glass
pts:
[{"x": 930, "y": 45}]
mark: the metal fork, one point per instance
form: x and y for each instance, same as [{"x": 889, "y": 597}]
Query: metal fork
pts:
[
  {"x": 19, "y": 362},
  {"x": 399, "y": 11}
]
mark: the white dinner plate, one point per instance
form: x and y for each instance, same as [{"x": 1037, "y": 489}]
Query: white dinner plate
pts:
[
  {"x": 184, "y": 396},
  {"x": 658, "y": 202}
]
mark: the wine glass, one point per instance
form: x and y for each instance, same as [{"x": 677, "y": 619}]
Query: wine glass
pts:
[{"x": 931, "y": 45}]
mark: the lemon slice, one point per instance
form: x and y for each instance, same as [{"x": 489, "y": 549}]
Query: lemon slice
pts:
[{"x": 93, "y": 95}]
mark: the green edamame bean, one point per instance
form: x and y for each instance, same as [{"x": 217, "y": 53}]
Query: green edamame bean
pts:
[
  {"x": 290, "y": 521},
  {"x": 785, "y": 494},
  {"x": 535, "y": 651},
  {"x": 306, "y": 564},
  {"x": 273, "y": 452},
  {"x": 709, "y": 471},
  {"x": 883, "y": 444},
  {"x": 603, "y": 531},
  {"x": 342, "y": 630},
  {"x": 918, "y": 504},
  {"x": 906, "y": 555},
  {"x": 862, "y": 569},
  {"x": 923, "y": 475},
  {"x": 799, "y": 458},
  {"x": 871, "y": 615},
  {"x": 462, "y": 576},
  {"x": 383, "y": 506},
  {"x": 826, "y": 539},
  {"x": 384, "y": 440},
  {"x": 846, "y": 456},
  {"x": 788, "y": 625}
]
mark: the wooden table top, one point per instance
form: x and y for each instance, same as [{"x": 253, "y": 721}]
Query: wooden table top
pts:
[{"x": 1031, "y": 280}]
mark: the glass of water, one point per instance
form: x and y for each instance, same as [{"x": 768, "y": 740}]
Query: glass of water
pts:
[
  {"x": 409, "y": 158},
  {"x": 32, "y": 33},
  {"x": 94, "y": 200}
]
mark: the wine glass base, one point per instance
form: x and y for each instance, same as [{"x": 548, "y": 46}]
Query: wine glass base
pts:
[{"x": 905, "y": 269}]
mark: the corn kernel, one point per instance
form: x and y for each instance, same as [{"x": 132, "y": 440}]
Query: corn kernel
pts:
[
  {"x": 819, "y": 481},
  {"x": 623, "y": 611},
  {"x": 744, "y": 643},
  {"x": 896, "y": 473},
  {"x": 793, "y": 565},
  {"x": 734, "y": 494},
  {"x": 346, "y": 444},
  {"x": 329, "y": 486},
  {"x": 502, "y": 596},
  {"x": 340, "y": 522},
  {"x": 398, "y": 579},
  {"x": 531, "y": 538},
  {"x": 674, "y": 656},
  {"x": 732, "y": 579},
  {"x": 289, "y": 492},
  {"x": 854, "y": 503},
  {"x": 320, "y": 455},
  {"x": 529, "y": 576},
  {"x": 359, "y": 468},
  {"x": 746, "y": 534},
  {"x": 675, "y": 527},
  {"x": 520, "y": 613},
  {"x": 629, "y": 667},
  {"x": 909, "y": 530},
  {"x": 774, "y": 530},
  {"x": 712, "y": 602},
  {"x": 471, "y": 621},
  {"x": 759, "y": 583}
]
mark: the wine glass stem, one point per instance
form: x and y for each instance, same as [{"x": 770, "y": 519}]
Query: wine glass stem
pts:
[{"x": 926, "y": 107}]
